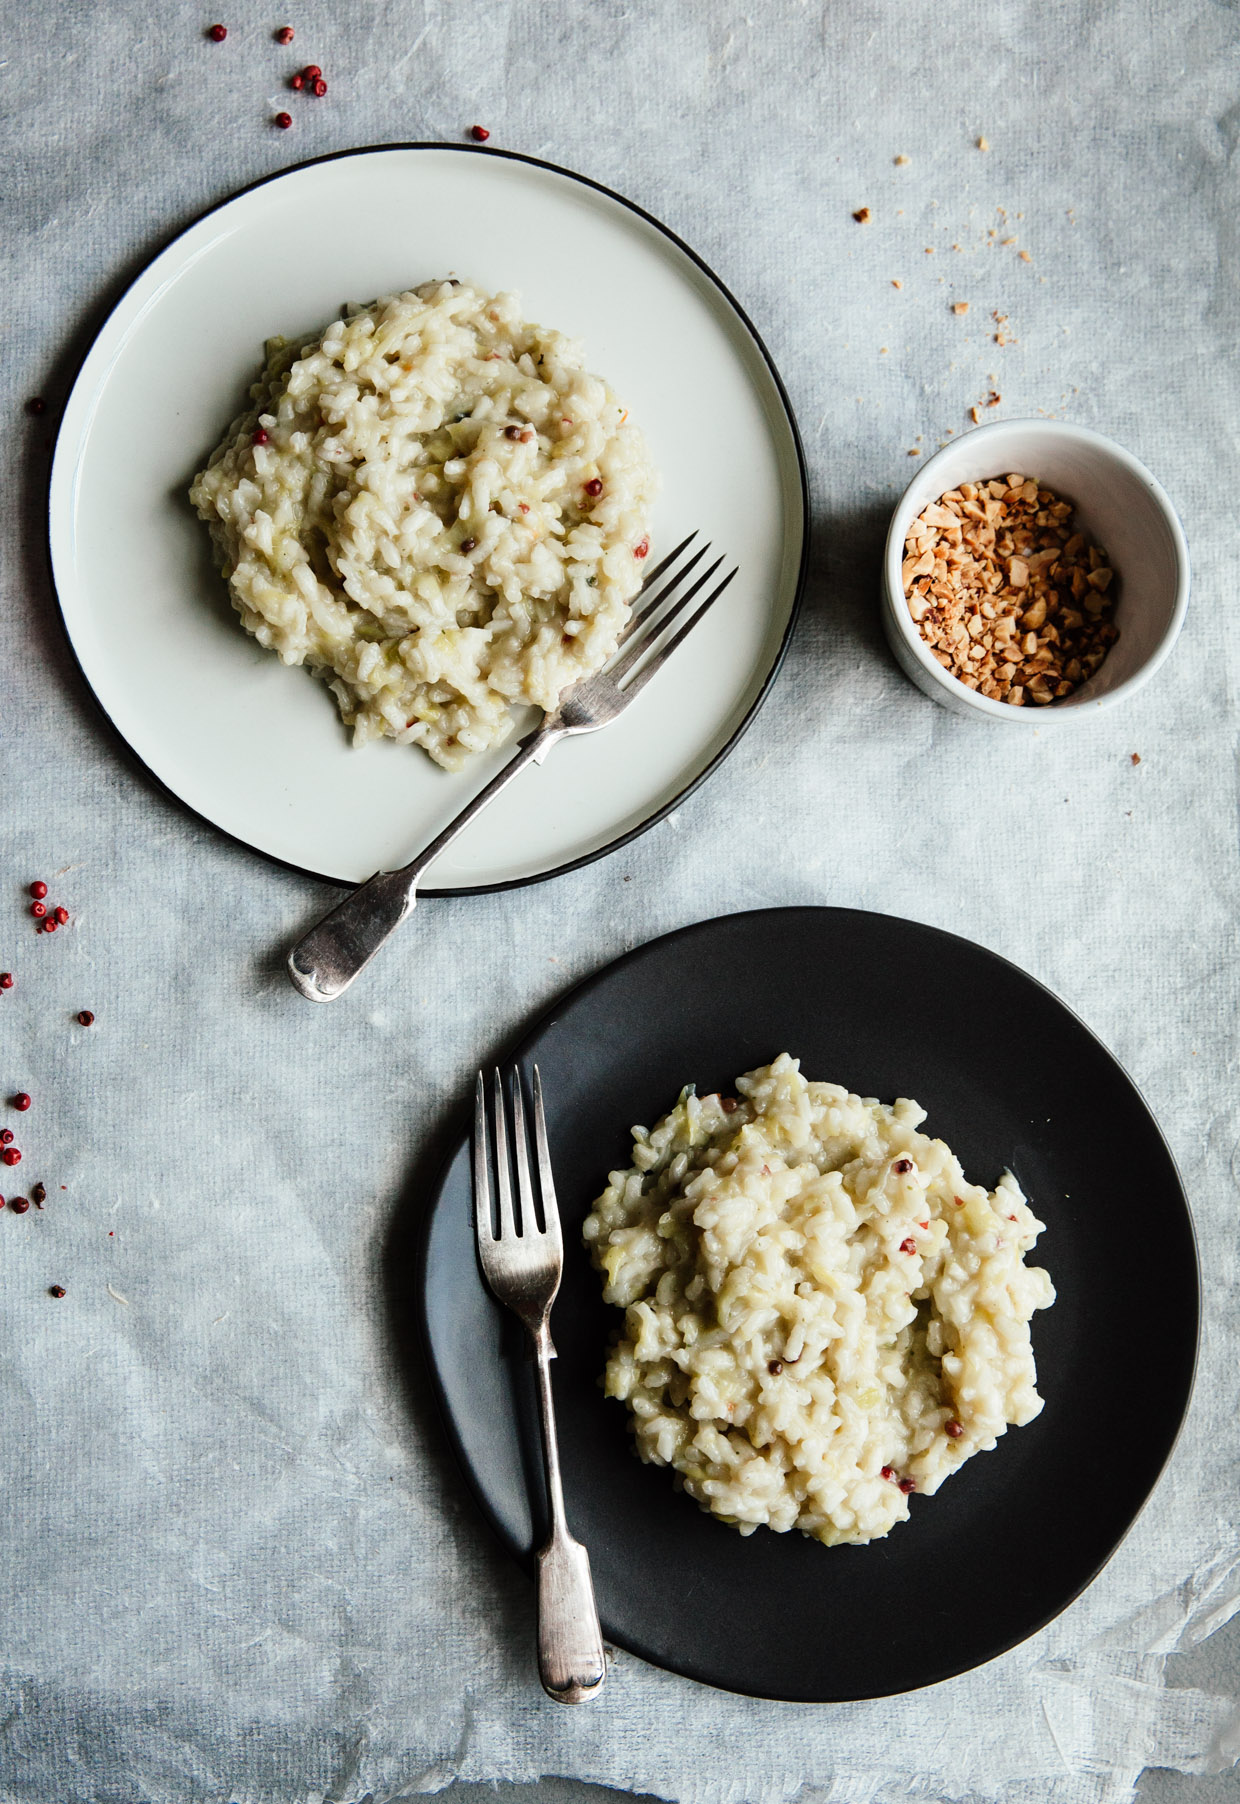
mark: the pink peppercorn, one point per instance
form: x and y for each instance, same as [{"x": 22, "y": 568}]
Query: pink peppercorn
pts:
[
  {"x": 479, "y": 134},
  {"x": 85, "y": 1018},
  {"x": 297, "y": 81},
  {"x": 908, "y": 1246},
  {"x": 6, "y": 980},
  {"x": 38, "y": 891},
  {"x": 56, "y": 1290},
  {"x": 62, "y": 915},
  {"x": 311, "y": 70},
  {"x": 642, "y": 549},
  {"x": 889, "y": 1474},
  {"x": 218, "y": 33},
  {"x": 902, "y": 1165},
  {"x": 285, "y": 35},
  {"x": 49, "y": 926},
  {"x": 907, "y": 1485},
  {"x": 38, "y": 910},
  {"x": 283, "y": 120},
  {"x": 594, "y": 486},
  {"x": 260, "y": 434},
  {"x": 953, "y": 1428},
  {"x": 6, "y": 1136},
  {"x": 19, "y": 1204},
  {"x": 21, "y": 1101},
  {"x": 11, "y": 1156},
  {"x": 320, "y": 87}
]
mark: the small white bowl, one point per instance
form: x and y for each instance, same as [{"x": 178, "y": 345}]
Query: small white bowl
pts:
[{"x": 1118, "y": 505}]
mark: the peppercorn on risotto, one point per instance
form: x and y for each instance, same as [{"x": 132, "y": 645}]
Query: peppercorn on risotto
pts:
[
  {"x": 822, "y": 1315},
  {"x": 436, "y": 506}
]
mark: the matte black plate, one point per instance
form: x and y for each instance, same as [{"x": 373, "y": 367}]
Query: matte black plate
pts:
[{"x": 1009, "y": 1077}]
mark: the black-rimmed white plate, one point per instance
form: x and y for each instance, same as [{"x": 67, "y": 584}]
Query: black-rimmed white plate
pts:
[
  {"x": 258, "y": 749},
  {"x": 1010, "y": 1077}
]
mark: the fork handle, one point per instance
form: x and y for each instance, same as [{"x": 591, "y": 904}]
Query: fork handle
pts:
[
  {"x": 571, "y": 1663},
  {"x": 324, "y": 963}
]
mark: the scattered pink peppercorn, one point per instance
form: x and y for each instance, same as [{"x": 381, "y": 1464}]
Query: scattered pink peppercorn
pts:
[
  {"x": 21, "y": 1101},
  {"x": 61, "y": 915},
  {"x": 38, "y": 910},
  {"x": 594, "y": 486},
  {"x": 479, "y": 134},
  {"x": 39, "y": 1195},
  {"x": 283, "y": 120},
  {"x": 38, "y": 891},
  {"x": 642, "y": 549},
  {"x": 36, "y": 405},
  {"x": 11, "y": 1156},
  {"x": 907, "y": 1485},
  {"x": 285, "y": 35},
  {"x": 523, "y": 506},
  {"x": 260, "y": 432},
  {"x": 218, "y": 33},
  {"x": 85, "y": 1018},
  {"x": 56, "y": 1290},
  {"x": 6, "y": 980},
  {"x": 19, "y": 1204},
  {"x": 729, "y": 1105},
  {"x": 902, "y": 1165},
  {"x": 775, "y": 1367},
  {"x": 468, "y": 545},
  {"x": 959, "y": 1201},
  {"x": 908, "y": 1246},
  {"x": 311, "y": 70},
  {"x": 512, "y": 431},
  {"x": 319, "y": 88},
  {"x": 6, "y": 1136},
  {"x": 297, "y": 81},
  {"x": 953, "y": 1428},
  {"x": 50, "y": 925},
  {"x": 889, "y": 1473}
]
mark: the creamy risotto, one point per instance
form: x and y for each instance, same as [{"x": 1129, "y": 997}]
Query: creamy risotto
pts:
[
  {"x": 822, "y": 1315},
  {"x": 436, "y": 506}
]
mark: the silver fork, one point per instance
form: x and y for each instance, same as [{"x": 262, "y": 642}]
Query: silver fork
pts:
[
  {"x": 521, "y": 1263},
  {"x": 325, "y": 962}
]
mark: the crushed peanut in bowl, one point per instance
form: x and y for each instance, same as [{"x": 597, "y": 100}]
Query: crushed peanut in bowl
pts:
[{"x": 1009, "y": 597}]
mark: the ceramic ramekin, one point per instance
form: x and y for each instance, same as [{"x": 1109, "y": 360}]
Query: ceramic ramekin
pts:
[{"x": 1118, "y": 504}]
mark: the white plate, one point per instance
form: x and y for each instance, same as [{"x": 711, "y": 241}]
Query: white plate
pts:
[{"x": 257, "y": 748}]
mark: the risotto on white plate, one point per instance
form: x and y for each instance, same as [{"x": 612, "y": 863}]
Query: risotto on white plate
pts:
[
  {"x": 435, "y": 505},
  {"x": 822, "y": 1315}
]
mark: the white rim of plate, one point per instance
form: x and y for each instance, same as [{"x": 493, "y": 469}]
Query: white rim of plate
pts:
[{"x": 61, "y": 484}]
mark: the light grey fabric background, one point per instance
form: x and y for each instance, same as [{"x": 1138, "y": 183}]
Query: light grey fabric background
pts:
[{"x": 238, "y": 1563}]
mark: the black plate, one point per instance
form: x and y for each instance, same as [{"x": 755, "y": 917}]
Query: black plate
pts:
[{"x": 1009, "y": 1077}]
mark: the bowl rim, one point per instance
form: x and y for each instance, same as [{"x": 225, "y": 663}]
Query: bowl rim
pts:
[{"x": 899, "y": 616}]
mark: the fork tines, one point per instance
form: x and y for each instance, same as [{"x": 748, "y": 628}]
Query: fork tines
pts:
[
  {"x": 651, "y": 620},
  {"x": 533, "y": 1213}
]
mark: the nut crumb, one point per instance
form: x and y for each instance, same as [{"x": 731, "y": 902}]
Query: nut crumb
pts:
[
  {"x": 914, "y": 452},
  {"x": 901, "y": 160},
  {"x": 975, "y": 416},
  {"x": 1025, "y": 257},
  {"x": 896, "y": 282},
  {"x": 1135, "y": 756},
  {"x": 983, "y": 144},
  {"x": 960, "y": 307},
  {"x": 862, "y": 216},
  {"x": 929, "y": 250},
  {"x": 1008, "y": 596}
]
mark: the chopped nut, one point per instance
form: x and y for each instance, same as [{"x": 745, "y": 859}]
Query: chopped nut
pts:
[
  {"x": 896, "y": 283},
  {"x": 862, "y": 216},
  {"x": 993, "y": 574},
  {"x": 1025, "y": 257},
  {"x": 960, "y": 307},
  {"x": 901, "y": 160},
  {"x": 982, "y": 144},
  {"x": 1135, "y": 756}
]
